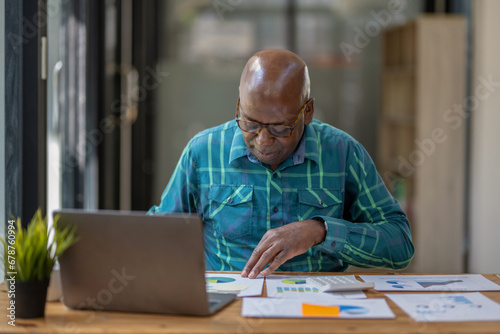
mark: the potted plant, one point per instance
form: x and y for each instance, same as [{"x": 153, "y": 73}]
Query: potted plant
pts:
[{"x": 29, "y": 255}]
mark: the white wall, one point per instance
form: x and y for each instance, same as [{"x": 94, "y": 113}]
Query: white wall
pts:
[{"x": 485, "y": 159}]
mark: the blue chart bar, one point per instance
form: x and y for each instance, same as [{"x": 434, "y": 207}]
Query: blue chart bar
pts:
[
  {"x": 280, "y": 289},
  {"x": 294, "y": 281},
  {"x": 458, "y": 300}
]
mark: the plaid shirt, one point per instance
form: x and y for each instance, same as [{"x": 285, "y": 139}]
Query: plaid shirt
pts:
[{"x": 330, "y": 175}]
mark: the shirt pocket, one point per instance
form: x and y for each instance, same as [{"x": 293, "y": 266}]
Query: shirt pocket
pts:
[
  {"x": 319, "y": 202},
  {"x": 231, "y": 210}
]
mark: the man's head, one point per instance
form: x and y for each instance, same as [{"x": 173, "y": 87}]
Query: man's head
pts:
[{"x": 274, "y": 88}]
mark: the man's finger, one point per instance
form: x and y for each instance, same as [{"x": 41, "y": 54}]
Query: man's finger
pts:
[
  {"x": 278, "y": 260},
  {"x": 257, "y": 252},
  {"x": 251, "y": 261},
  {"x": 265, "y": 258}
]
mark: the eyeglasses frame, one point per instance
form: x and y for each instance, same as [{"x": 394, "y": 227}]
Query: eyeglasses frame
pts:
[{"x": 266, "y": 126}]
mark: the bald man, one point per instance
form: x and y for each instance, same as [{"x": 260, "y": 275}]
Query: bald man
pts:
[{"x": 278, "y": 189}]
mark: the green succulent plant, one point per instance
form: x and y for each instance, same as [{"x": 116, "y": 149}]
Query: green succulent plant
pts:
[{"x": 32, "y": 251}]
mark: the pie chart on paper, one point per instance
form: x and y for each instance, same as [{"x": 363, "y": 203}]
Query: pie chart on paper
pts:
[{"x": 219, "y": 279}]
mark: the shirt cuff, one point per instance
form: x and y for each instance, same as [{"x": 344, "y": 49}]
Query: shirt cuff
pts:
[
  {"x": 336, "y": 236},
  {"x": 152, "y": 211}
]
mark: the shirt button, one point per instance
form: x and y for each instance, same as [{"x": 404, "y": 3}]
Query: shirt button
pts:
[
  {"x": 230, "y": 200},
  {"x": 275, "y": 175},
  {"x": 320, "y": 202},
  {"x": 275, "y": 209}
]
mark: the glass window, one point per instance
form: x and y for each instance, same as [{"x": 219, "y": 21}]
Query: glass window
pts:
[{"x": 2, "y": 121}]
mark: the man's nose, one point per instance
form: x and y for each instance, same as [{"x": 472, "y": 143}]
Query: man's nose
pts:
[{"x": 264, "y": 138}]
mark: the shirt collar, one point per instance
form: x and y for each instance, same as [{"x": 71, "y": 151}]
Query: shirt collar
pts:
[
  {"x": 307, "y": 148},
  {"x": 311, "y": 139},
  {"x": 238, "y": 146}
]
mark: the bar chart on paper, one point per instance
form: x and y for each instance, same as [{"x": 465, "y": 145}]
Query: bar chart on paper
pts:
[
  {"x": 296, "y": 287},
  {"x": 468, "y": 282},
  {"x": 279, "y": 286}
]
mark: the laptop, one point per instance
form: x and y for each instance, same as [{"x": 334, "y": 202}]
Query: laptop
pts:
[{"x": 133, "y": 262}]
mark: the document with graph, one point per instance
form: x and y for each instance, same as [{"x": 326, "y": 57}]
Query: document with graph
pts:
[
  {"x": 429, "y": 307},
  {"x": 234, "y": 284},
  {"x": 310, "y": 307},
  {"x": 469, "y": 282},
  {"x": 281, "y": 286}
]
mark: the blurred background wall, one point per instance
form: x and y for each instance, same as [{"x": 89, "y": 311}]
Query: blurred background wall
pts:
[
  {"x": 205, "y": 44},
  {"x": 485, "y": 139}
]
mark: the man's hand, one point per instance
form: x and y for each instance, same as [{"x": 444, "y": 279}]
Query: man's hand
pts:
[{"x": 282, "y": 243}]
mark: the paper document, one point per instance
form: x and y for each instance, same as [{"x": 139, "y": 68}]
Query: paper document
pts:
[
  {"x": 472, "y": 306},
  {"x": 234, "y": 284},
  {"x": 308, "y": 307},
  {"x": 295, "y": 287},
  {"x": 471, "y": 282}
]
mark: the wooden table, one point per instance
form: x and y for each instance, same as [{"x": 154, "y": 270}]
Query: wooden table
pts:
[{"x": 59, "y": 319}]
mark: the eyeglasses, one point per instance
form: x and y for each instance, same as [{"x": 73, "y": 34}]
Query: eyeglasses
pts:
[{"x": 274, "y": 130}]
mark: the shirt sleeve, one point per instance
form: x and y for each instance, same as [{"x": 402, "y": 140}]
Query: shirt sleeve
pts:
[
  {"x": 374, "y": 231},
  {"x": 181, "y": 193}
]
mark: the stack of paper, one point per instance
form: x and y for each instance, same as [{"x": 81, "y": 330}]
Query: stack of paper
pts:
[
  {"x": 445, "y": 306},
  {"x": 472, "y": 306},
  {"x": 292, "y": 297}
]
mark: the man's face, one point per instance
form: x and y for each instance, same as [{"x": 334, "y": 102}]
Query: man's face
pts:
[{"x": 268, "y": 149}]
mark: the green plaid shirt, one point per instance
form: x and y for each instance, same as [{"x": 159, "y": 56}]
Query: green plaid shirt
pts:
[{"x": 330, "y": 175}]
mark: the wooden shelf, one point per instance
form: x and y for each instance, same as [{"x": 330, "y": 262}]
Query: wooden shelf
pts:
[
  {"x": 400, "y": 118},
  {"x": 400, "y": 69},
  {"x": 423, "y": 75}
]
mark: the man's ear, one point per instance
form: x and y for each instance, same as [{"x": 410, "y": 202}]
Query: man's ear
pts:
[{"x": 309, "y": 112}]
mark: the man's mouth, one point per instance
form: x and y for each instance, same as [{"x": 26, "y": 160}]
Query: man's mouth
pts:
[{"x": 266, "y": 154}]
